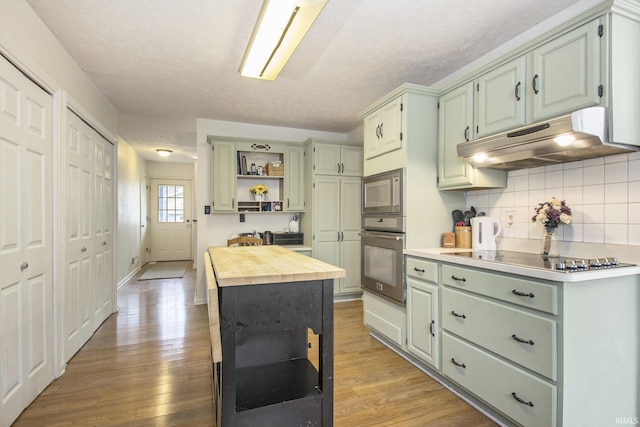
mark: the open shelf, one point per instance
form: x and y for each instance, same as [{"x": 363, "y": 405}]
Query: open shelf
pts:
[
  {"x": 269, "y": 384},
  {"x": 266, "y": 206}
]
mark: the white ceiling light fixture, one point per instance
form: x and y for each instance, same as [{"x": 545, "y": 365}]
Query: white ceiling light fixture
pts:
[
  {"x": 281, "y": 27},
  {"x": 163, "y": 152}
]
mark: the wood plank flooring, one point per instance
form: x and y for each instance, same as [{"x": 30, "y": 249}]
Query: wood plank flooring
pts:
[{"x": 148, "y": 365}]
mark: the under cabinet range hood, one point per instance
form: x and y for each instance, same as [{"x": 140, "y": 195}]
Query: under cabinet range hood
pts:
[{"x": 581, "y": 135}]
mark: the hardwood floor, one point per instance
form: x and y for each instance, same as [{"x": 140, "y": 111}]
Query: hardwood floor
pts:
[{"x": 148, "y": 365}]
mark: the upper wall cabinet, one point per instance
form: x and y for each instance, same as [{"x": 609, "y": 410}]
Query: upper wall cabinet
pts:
[
  {"x": 237, "y": 165},
  {"x": 383, "y": 129},
  {"x": 565, "y": 73},
  {"x": 558, "y": 77},
  {"x": 335, "y": 159},
  {"x": 500, "y": 101},
  {"x": 455, "y": 126}
]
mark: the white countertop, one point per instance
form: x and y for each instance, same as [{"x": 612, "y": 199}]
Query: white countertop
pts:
[{"x": 444, "y": 255}]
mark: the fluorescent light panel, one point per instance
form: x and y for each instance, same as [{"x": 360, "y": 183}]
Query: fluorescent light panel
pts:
[{"x": 281, "y": 27}]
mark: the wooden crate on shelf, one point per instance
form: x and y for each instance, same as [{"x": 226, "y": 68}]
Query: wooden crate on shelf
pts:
[{"x": 275, "y": 168}]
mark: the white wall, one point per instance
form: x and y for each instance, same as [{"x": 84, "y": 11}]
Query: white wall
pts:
[
  {"x": 131, "y": 171},
  {"x": 603, "y": 194},
  {"x": 29, "y": 44},
  {"x": 214, "y": 229}
]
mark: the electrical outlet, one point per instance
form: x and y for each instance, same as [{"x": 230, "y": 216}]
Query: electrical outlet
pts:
[{"x": 510, "y": 218}]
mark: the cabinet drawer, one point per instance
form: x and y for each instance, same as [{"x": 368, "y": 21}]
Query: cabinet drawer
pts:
[
  {"x": 499, "y": 329},
  {"x": 494, "y": 381},
  {"x": 528, "y": 293},
  {"x": 422, "y": 269}
]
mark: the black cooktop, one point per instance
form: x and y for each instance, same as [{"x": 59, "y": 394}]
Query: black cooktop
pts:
[{"x": 561, "y": 264}]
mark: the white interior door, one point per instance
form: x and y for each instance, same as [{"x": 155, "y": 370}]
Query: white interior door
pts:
[
  {"x": 170, "y": 219},
  {"x": 79, "y": 248},
  {"x": 26, "y": 250},
  {"x": 144, "y": 220}
]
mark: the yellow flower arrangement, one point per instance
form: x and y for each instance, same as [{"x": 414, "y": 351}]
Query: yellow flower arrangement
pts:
[{"x": 259, "y": 189}]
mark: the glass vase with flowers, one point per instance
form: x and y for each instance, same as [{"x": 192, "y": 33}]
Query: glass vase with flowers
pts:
[{"x": 551, "y": 214}]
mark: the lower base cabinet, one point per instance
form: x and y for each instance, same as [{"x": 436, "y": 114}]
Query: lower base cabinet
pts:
[
  {"x": 527, "y": 351},
  {"x": 523, "y": 397}
]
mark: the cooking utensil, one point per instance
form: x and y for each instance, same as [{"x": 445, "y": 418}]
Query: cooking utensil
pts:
[
  {"x": 472, "y": 209},
  {"x": 467, "y": 217},
  {"x": 458, "y": 216}
]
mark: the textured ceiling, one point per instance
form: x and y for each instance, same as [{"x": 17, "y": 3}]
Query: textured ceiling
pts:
[{"x": 164, "y": 63}]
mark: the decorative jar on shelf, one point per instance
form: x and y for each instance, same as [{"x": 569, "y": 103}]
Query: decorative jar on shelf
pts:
[{"x": 258, "y": 197}]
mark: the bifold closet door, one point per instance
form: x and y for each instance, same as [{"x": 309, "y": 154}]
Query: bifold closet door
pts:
[
  {"x": 88, "y": 288},
  {"x": 26, "y": 250}
]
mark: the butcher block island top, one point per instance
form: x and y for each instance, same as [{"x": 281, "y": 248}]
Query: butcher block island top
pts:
[{"x": 255, "y": 265}]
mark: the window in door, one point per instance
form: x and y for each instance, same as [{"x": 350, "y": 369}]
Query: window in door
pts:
[{"x": 170, "y": 203}]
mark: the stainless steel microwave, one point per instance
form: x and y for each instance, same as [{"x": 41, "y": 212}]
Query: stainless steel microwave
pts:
[{"x": 383, "y": 194}]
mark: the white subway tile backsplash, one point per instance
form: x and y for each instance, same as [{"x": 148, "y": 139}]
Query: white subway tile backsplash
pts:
[
  {"x": 537, "y": 181},
  {"x": 616, "y": 193},
  {"x": 634, "y": 213},
  {"x": 572, "y": 177},
  {"x": 592, "y": 175},
  {"x": 634, "y": 170},
  {"x": 615, "y": 172},
  {"x": 593, "y": 214},
  {"x": 615, "y": 213},
  {"x": 615, "y": 234},
  {"x": 593, "y": 233},
  {"x": 603, "y": 193},
  {"x": 634, "y": 191},
  {"x": 634, "y": 234}
]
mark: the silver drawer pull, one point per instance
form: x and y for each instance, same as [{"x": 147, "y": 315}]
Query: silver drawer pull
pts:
[
  {"x": 458, "y": 315},
  {"x": 522, "y": 294},
  {"x": 83, "y": 250},
  {"x": 462, "y": 365},
  {"x": 24, "y": 266},
  {"x": 515, "y": 337},
  {"x": 419, "y": 270},
  {"x": 459, "y": 279},
  {"x": 104, "y": 242},
  {"x": 524, "y": 402}
]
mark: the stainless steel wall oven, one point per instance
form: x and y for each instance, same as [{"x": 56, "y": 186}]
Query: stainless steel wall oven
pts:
[{"x": 383, "y": 238}]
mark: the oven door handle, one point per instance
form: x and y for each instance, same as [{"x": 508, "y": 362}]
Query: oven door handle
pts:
[{"x": 382, "y": 235}]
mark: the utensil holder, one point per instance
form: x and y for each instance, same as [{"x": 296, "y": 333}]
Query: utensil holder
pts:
[{"x": 463, "y": 237}]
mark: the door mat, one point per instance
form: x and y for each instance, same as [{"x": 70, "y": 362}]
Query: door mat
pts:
[{"x": 163, "y": 273}]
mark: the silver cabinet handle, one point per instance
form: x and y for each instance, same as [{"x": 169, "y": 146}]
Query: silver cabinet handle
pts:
[
  {"x": 24, "y": 266},
  {"x": 104, "y": 243},
  {"x": 83, "y": 250}
]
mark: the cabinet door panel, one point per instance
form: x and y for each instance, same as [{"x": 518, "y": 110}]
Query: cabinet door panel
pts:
[
  {"x": 326, "y": 159},
  {"x": 500, "y": 103},
  {"x": 351, "y": 160},
  {"x": 350, "y": 261},
  {"x": 350, "y": 208},
  {"x": 371, "y": 135},
  {"x": 391, "y": 126},
  {"x": 566, "y": 73},
  {"x": 455, "y": 123},
  {"x": 294, "y": 180},
  {"x": 422, "y": 303},
  {"x": 224, "y": 177}
]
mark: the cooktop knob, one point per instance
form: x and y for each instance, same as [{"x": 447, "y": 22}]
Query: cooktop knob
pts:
[
  {"x": 582, "y": 265},
  {"x": 572, "y": 265},
  {"x": 606, "y": 262},
  {"x": 613, "y": 261},
  {"x": 561, "y": 266},
  {"x": 595, "y": 263}
]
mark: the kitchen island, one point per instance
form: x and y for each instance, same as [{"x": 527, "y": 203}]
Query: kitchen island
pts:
[{"x": 263, "y": 301}]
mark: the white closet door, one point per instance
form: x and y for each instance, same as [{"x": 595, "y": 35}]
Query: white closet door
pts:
[
  {"x": 103, "y": 230},
  {"x": 79, "y": 250},
  {"x": 26, "y": 250}
]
